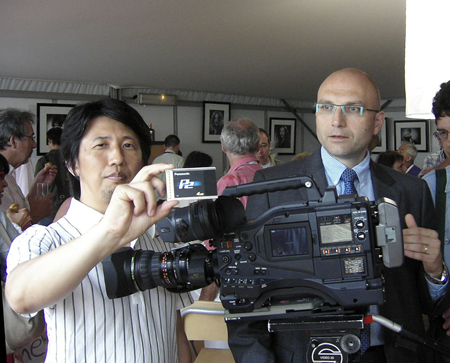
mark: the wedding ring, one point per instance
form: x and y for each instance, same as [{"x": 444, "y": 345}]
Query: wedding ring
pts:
[{"x": 425, "y": 249}]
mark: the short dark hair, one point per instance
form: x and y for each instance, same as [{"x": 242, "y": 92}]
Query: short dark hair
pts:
[
  {"x": 78, "y": 120},
  {"x": 13, "y": 122},
  {"x": 197, "y": 159},
  {"x": 441, "y": 101},
  {"x": 171, "y": 141},
  {"x": 54, "y": 134},
  {"x": 4, "y": 165},
  {"x": 389, "y": 158},
  {"x": 262, "y": 131}
]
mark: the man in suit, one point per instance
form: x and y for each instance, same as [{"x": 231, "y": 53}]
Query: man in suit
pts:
[
  {"x": 409, "y": 152},
  {"x": 347, "y": 116}
]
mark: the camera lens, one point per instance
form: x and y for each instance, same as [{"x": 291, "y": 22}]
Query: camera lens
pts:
[{"x": 202, "y": 220}]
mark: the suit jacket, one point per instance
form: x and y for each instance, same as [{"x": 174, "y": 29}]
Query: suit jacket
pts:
[
  {"x": 407, "y": 294},
  {"x": 414, "y": 170}
]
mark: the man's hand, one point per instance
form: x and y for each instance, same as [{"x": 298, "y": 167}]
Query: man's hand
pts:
[
  {"x": 132, "y": 209},
  {"x": 40, "y": 208},
  {"x": 22, "y": 217},
  {"x": 424, "y": 245},
  {"x": 47, "y": 175}
]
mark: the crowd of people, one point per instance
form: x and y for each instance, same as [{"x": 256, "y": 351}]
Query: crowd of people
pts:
[{"x": 53, "y": 246}]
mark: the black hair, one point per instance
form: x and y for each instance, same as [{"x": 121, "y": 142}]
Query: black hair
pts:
[
  {"x": 441, "y": 101},
  {"x": 197, "y": 159},
  {"x": 389, "y": 158},
  {"x": 78, "y": 120},
  {"x": 4, "y": 165},
  {"x": 171, "y": 141},
  {"x": 54, "y": 134},
  {"x": 262, "y": 131}
]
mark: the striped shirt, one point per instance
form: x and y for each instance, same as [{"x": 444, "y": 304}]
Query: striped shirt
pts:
[{"x": 87, "y": 326}]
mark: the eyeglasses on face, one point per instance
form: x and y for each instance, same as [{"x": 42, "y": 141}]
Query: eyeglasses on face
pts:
[
  {"x": 347, "y": 110},
  {"x": 441, "y": 135},
  {"x": 32, "y": 137}
]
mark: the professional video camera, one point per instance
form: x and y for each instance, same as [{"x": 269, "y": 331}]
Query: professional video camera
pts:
[
  {"x": 314, "y": 260},
  {"x": 327, "y": 247}
]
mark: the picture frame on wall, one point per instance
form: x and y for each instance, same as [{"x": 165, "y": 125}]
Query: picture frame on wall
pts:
[
  {"x": 413, "y": 131},
  {"x": 282, "y": 133},
  {"x": 49, "y": 115},
  {"x": 215, "y": 115},
  {"x": 382, "y": 139}
]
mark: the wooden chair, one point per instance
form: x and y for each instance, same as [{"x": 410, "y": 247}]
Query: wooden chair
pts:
[{"x": 204, "y": 321}]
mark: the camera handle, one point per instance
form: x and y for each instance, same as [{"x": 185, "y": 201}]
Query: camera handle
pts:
[
  {"x": 269, "y": 186},
  {"x": 334, "y": 338}
]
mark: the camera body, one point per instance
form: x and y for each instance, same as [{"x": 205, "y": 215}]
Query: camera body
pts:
[
  {"x": 325, "y": 251},
  {"x": 329, "y": 249}
]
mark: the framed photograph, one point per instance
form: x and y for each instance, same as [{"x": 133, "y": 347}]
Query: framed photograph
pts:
[
  {"x": 215, "y": 114},
  {"x": 414, "y": 131},
  {"x": 282, "y": 133},
  {"x": 49, "y": 115},
  {"x": 382, "y": 139}
]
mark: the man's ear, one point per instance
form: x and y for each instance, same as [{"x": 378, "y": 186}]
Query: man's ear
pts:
[
  {"x": 379, "y": 121},
  {"x": 13, "y": 141}
]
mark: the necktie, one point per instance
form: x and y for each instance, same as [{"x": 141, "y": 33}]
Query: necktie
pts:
[{"x": 348, "y": 177}]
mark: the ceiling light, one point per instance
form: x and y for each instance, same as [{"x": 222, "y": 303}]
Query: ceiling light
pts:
[
  {"x": 155, "y": 99},
  {"x": 426, "y": 55}
]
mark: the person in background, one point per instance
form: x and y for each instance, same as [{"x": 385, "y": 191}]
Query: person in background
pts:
[
  {"x": 240, "y": 142},
  {"x": 60, "y": 187},
  {"x": 347, "y": 116},
  {"x": 409, "y": 152},
  {"x": 10, "y": 229},
  {"x": 197, "y": 159},
  {"x": 106, "y": 145},
  {"x": 263, "y": 155},
  {"x": 441, "y": 111},
  {"x": 392, "y": 159},
  {"x": 17, "y": 142},
  {"x": 170, "y": 156}
]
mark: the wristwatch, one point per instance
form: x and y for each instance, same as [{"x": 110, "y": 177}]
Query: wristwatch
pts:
[{"x": 439, "y": 281}]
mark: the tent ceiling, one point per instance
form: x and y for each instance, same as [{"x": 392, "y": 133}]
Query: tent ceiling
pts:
[{"x": 262, "y": 48}]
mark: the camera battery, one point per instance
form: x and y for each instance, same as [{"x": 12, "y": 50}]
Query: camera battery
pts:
[{"x": 191, "y": 183}]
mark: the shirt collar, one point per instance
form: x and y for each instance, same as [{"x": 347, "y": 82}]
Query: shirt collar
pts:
[
  {"x": 334, "y": 168},
  {"x": 248, "y": 159}
]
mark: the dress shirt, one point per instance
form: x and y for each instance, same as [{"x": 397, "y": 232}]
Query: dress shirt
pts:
[
  {"x": 242, "y": 172},
  {"x": 87, "y": 326}
]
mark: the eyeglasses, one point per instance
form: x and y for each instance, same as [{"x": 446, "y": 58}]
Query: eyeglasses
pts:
[
  {"x": 347, "y": 110},
  {"x": 2, "y": 175},
  {"x": 441, "y": 135},
  {"x": 32, "y": 137}
]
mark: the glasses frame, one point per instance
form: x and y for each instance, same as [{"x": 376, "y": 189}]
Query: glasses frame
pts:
[
  {"x": 438, "y": 135},
  {"x": 342, "y": 109},
  {"x": 32, "y": 137}
]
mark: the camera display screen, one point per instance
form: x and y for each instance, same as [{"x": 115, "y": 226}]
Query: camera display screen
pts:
[
  {"x": 292, "y": 241},
  {"x": 336, "y": 229}
]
